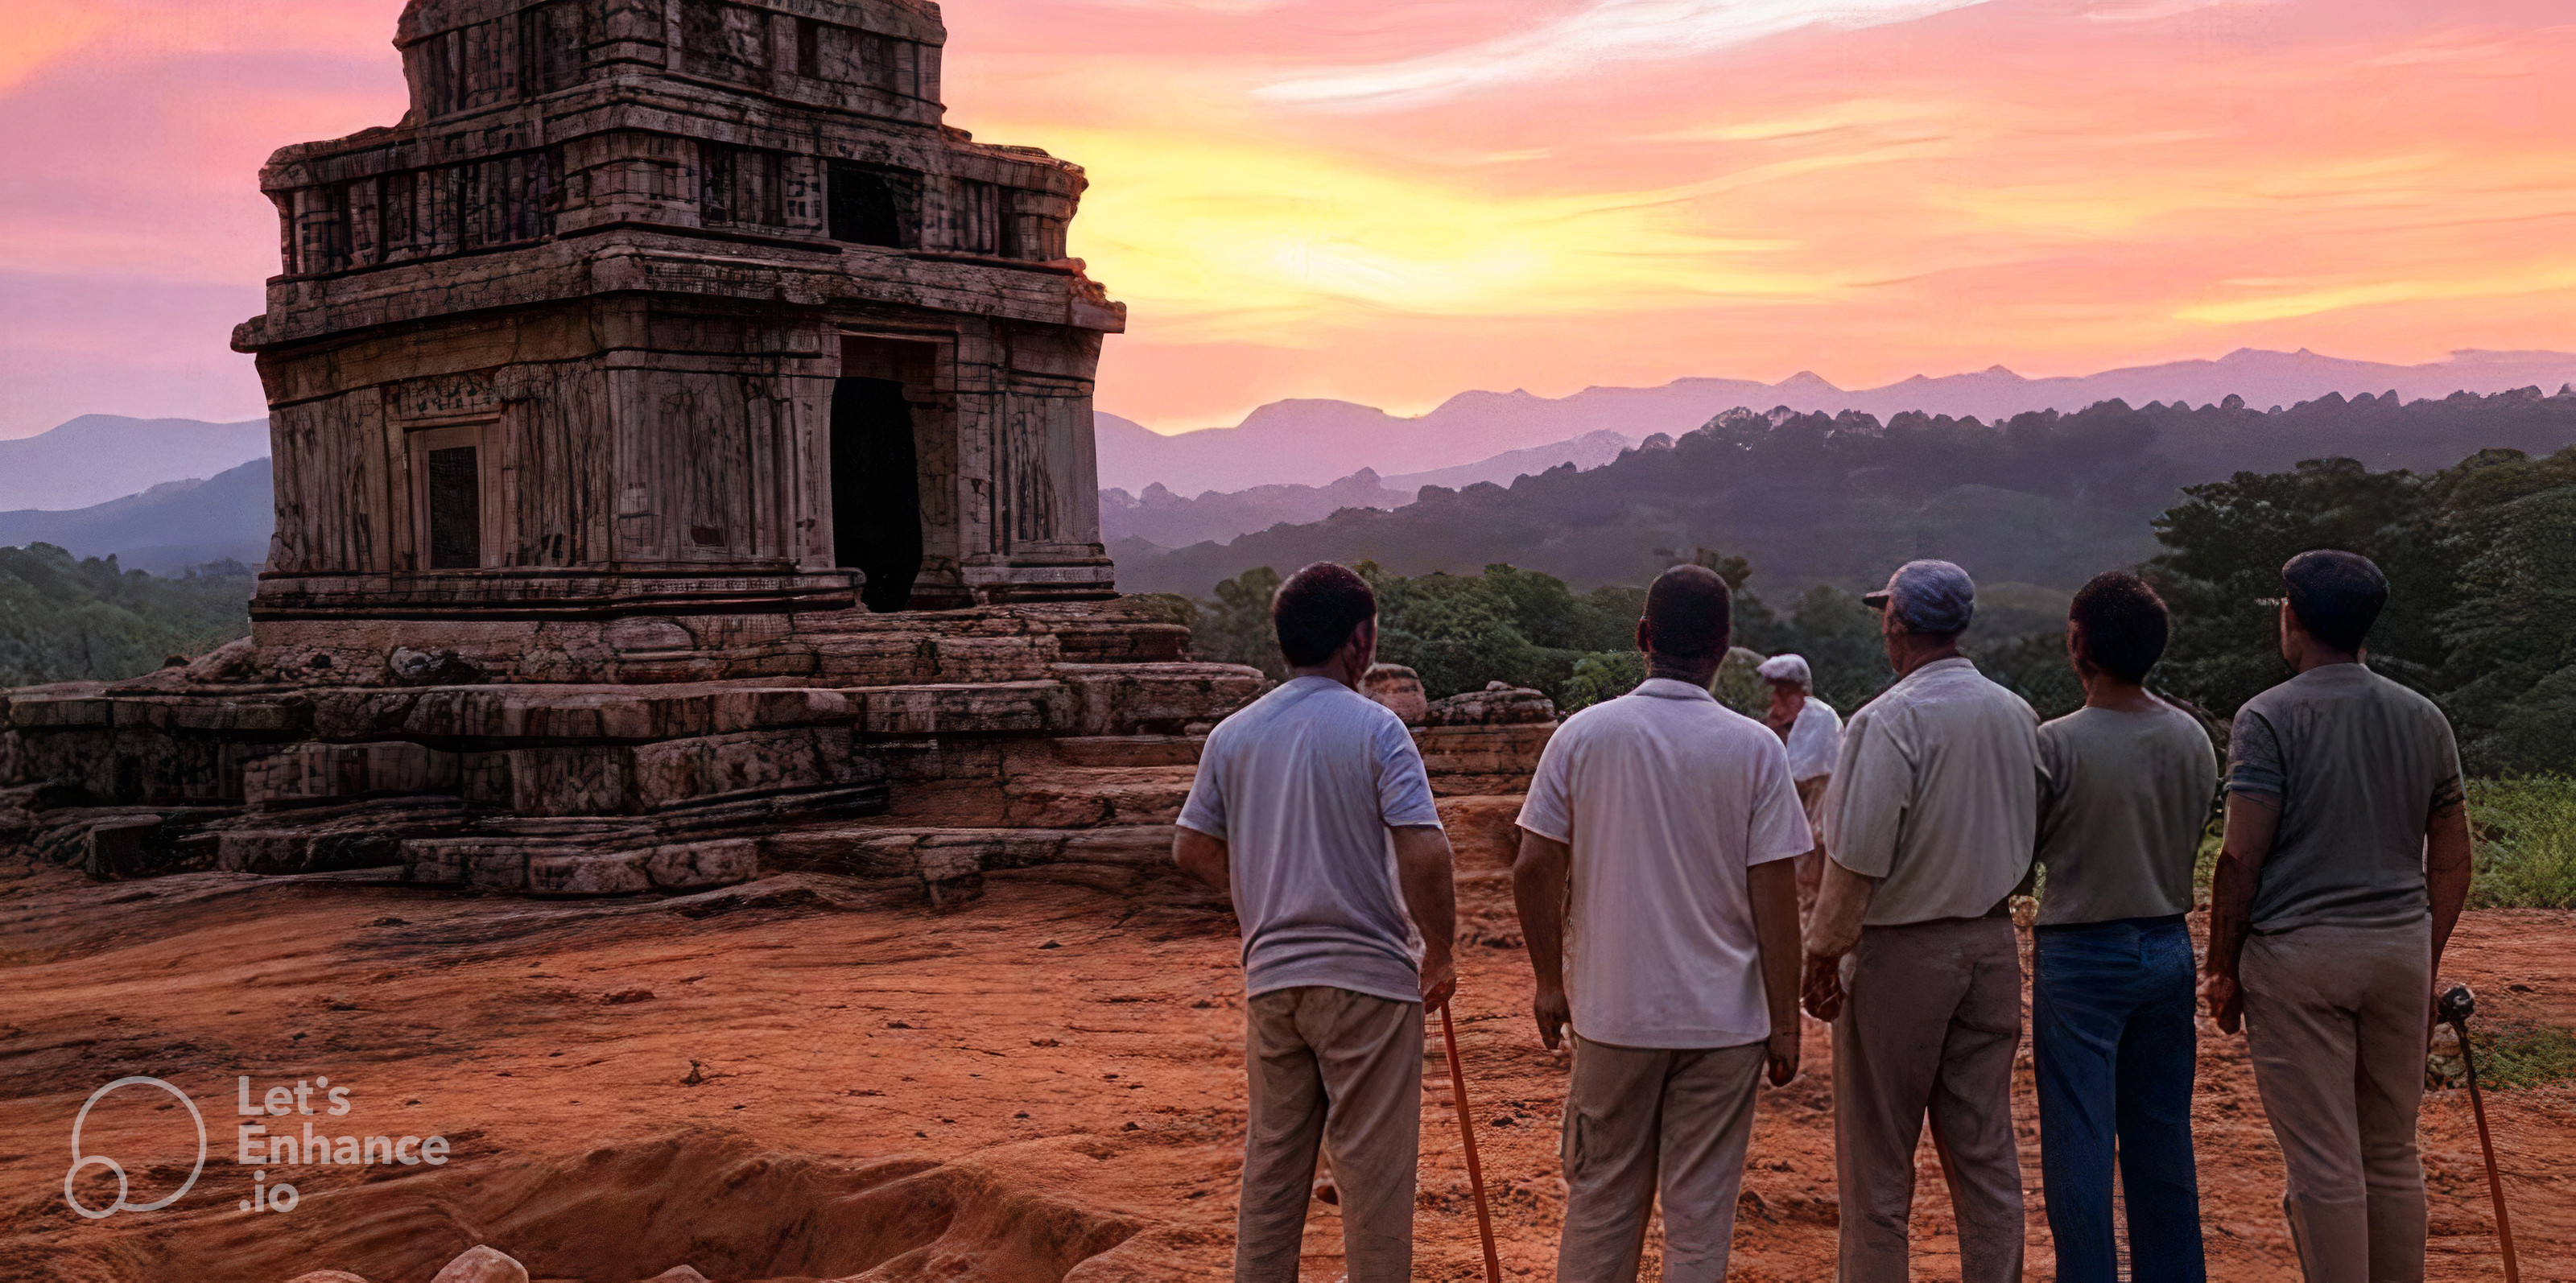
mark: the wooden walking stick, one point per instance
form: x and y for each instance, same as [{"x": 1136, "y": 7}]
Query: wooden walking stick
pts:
[
  {"x": 1467, "y": 1128},
  {"x": 2457, "y": 1005}
]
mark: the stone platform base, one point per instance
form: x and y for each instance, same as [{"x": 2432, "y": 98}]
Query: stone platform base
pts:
[{"x": 675, "y": 755}]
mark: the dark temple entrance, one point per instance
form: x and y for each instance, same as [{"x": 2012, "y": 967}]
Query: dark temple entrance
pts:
[{"x": 876, "y": 490}]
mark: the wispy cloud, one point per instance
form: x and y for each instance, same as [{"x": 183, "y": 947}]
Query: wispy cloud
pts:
[{"x": 1603, "y": 33}]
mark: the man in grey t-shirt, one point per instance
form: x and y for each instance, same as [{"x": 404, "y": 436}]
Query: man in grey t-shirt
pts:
[
  {"x": 1312, "y": 810},
  {"x": 2126, "y": 785},
  {"x": 2347, "y": 862}
]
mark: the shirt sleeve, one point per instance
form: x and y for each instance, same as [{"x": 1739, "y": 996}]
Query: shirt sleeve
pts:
[
  {"x": 2254, "y": 763},
  {"x": 2052, "y": 783},
  {"x": 2447, "y": 791},
  {"x": 1549, "y": 809},
  {"x": 1403, "y": 786},
  {"x": 1204, "y": 812},
  {"x": 1779, "y": 829},
  {"x": 1815, "y": 740},
  {"x": 1865, "y": 806}
]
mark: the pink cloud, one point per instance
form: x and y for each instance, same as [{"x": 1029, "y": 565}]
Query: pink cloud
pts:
[{"x": 2054, "y": 184}]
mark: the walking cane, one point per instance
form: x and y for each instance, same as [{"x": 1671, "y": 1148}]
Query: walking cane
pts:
[
  {"x": 1467, "y": 1128},
  {"x": 2457, "y": 1005}
]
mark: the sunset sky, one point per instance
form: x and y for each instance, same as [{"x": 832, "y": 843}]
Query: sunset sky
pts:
[{"x": 1390, "y": 201}]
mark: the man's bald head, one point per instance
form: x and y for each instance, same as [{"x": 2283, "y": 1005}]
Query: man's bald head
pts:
[{"x": 1690, "y": 618}]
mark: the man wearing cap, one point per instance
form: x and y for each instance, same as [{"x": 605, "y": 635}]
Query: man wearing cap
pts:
[
  {"x": 1656, "y": 892},
  {"x": 1814, "y": 734},
  {"x": 1929, "y": 823},
  {"x": 2346, "y": 864}
]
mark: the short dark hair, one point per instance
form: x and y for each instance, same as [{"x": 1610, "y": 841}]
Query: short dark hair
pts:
[
  {"x": 1690, "y": 612},
  {"x": 2336, "y": 595},
  {"x": 1317, "y": 610},
  {"x": 2123, "y": 622}
]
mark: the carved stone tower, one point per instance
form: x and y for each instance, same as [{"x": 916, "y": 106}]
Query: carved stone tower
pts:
[{"x": 674, "y": 307}]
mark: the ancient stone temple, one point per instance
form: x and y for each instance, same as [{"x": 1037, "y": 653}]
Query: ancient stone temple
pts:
[
  {"x": 684, "y": 461},
  {"x": 684, "y": 475},
  {"x": 675, "y": 306}
]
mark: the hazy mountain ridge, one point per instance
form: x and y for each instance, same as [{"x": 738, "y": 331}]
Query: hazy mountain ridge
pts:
[
  {"x": 1315, "y": 442},
  {"x": 2044, "y": 498},
  {"x": 1168, "y": 520},
  {"x": 167, "y": 529},
  {"x": 99, "y": 458}
]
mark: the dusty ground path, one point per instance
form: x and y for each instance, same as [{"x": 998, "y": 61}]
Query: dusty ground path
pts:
[{"x": 1048, "y": 1081}]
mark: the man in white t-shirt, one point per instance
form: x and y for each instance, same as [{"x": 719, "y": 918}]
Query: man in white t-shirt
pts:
[
  {"x": 1814, "y": 734},
  {"x": 1658, "y": 897},
  {"x": 1312, "y": 810}
]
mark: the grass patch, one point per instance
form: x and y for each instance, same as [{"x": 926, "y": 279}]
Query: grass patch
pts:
[
  {"x": 2522, "y": 1054},
  {"x": 2526, "y": 842}
]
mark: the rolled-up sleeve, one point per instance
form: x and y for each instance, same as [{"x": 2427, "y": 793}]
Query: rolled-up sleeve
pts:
[
  {"x": 2254, "y": 764},
  {"x": 1866, "y": 805}
]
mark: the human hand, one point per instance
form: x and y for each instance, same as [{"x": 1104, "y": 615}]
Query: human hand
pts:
[
  {"x": 1823, "y": 990},
  {"x": 1439, "y": 979},
  {"x": 1784, "y": 1049},
  {"x": 2025, "y": 912},
  {"x": 2226, "y": 1002},
  {"x": 1548, "y": 1004}
]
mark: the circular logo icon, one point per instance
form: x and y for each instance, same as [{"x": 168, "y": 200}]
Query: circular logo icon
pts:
[{"x": 82, "y": 1161}]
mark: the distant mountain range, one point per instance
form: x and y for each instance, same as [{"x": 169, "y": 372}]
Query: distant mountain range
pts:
[
  {"x": 99, "y": 457},
  {"x": 167, "y": 529},
  {"x": 1315, "y": 442}
]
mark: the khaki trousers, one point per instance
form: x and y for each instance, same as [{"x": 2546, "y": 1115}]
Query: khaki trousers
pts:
[
  {"x": 1811, "y": 866},
  {"x": 1636, "y": 1118},
  {"x": 2335, "y": 1017},
  {"x": 1931, "y": 1025},
  {"x": 1343, "y": 1070}
]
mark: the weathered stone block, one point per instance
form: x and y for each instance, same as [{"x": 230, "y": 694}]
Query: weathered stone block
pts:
[
  {"x": 263, "y": 852},
  {"x": 1129, "y": 699},
  {"x": 621, "y": 874},
  {"x": 321, "y": 772},
  {"x": 1399, "y": 689},
  {"x": 68, "y": 706},
  {"x": 126, "y": 848},
  {"x": 704, "y": 864},
  {"x": 497, "y": 870},
  {"x": 1024, "y": 707}
]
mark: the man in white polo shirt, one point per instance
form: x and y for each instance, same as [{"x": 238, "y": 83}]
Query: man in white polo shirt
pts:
[
  {"x": 1658, "y": 895},
  {"x": 1312, "y": 810}
]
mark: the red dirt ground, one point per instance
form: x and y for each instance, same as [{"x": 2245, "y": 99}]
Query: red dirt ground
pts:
[{"x": 1047, "y": 1081}]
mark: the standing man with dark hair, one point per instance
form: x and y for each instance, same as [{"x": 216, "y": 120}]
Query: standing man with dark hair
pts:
[
  {"x": 2126, "y": 785},
  {"x": 2347, "y": 862},
  {"x": 1312, "y": 810},
  {"x": 1928, "y": 828},
  {"x": 1656, "y": 890}
]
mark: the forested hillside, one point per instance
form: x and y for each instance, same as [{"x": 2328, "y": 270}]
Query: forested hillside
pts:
[
  {"x": 2481, "y": 557},
  {"x": 2044, "y": 498},
  {"x": 63, "y": 619}
]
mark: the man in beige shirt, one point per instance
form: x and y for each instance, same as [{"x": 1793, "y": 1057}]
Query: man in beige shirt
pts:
[{"x": 1929, "y": 824}]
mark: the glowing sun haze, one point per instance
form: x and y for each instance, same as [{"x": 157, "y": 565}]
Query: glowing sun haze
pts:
[{"x": 1394, "y": 200}]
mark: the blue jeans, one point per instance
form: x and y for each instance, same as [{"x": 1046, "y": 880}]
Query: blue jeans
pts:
[{"x": 2114, "y": 1045}]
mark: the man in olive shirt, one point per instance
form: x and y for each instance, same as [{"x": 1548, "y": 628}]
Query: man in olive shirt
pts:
[
  {"x": 2345, "y": 868},
  {"x": 2126, "y": 785},
  {"x": 1929, "y": 824}
]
